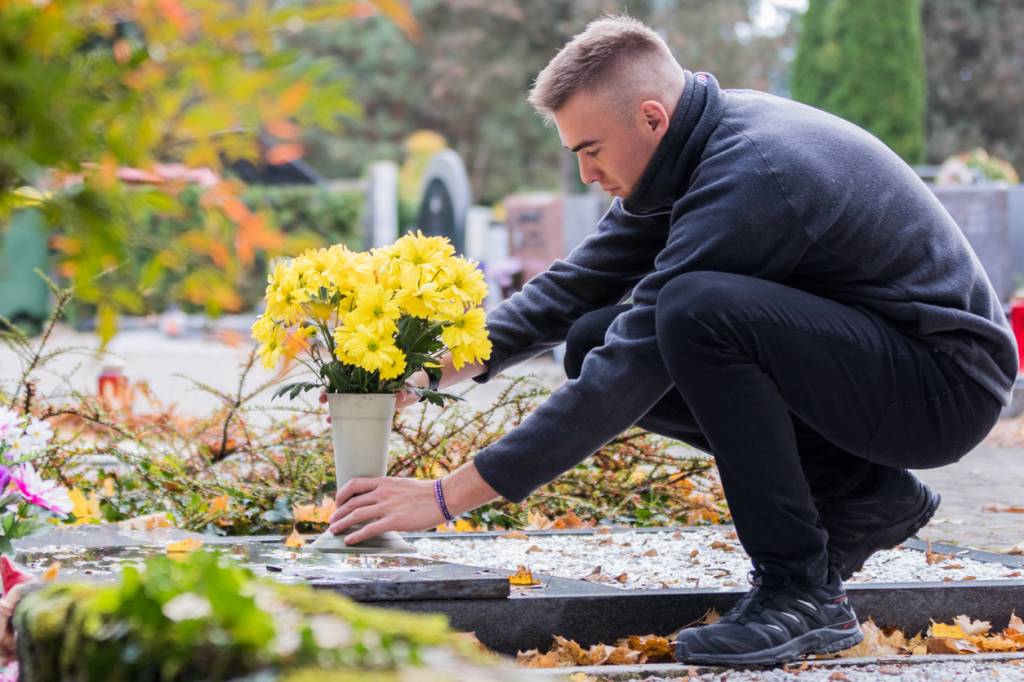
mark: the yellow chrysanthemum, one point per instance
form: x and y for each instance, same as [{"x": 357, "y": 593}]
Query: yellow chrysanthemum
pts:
[
  {"x": 463, "y": 279},
  {"x": 272, "y": 338},
  {"x": 418, "y": 249},
  {"x": 466, "y": 337},
  {"x": 420, "y": 298},
  {"x": 376, "y": 308},
  {"x": 374, "y": 354}
]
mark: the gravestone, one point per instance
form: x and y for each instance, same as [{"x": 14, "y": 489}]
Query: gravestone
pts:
[
  {"x": 382, "y": 204},
  {"x": 446, "y": 199},
  {"x": 983, "y": 214}
]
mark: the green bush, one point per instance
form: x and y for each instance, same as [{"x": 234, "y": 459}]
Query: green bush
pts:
[
  {"x": 202, "y": 617},
  {"x": 335, "y": 217},
  {"x": 863, "y": 60}
]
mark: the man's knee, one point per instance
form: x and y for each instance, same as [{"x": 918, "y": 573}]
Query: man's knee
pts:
[{"x": 697, "y": 302}]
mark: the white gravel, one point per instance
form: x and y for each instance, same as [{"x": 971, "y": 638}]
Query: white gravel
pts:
[
  {"x": 939, "y": 671},
  {"x": 703, "y": 557}
]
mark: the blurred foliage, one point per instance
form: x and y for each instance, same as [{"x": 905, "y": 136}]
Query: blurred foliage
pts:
[
  {"x": 249, "y": 467},
  {"x": 200, "y": 616},
  {"x": 89, "y": 87},
  {"x": 974, "y": 50},
  {"x": 863, "y": 60},
  {"x": 467, "y": 78}
]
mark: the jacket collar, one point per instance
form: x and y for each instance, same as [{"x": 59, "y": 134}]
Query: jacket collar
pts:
[{"x": 667, "y": 175}]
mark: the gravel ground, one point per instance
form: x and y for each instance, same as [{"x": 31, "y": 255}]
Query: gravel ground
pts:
[
  {"x": 941, "y": 671},
  {"x": 704, "y": 557}
]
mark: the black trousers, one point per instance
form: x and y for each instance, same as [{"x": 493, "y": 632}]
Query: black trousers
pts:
[{"x": 799, "y": 398}]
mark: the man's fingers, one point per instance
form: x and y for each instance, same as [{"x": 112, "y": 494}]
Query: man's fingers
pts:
[
  {"x": 360, "y": 515},
  {"x": 356, "y": 486},
  {"x": 350, "y": 506},
  {"x": 368, "y": 531}
]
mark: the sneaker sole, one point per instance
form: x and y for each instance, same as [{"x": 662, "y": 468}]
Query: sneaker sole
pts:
[
  {"x": 887, "y": 538},
  {"x": 820, "y": 641}
]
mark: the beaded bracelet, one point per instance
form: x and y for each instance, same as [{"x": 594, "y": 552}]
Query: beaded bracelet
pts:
[{"x": 439, "y": 496}]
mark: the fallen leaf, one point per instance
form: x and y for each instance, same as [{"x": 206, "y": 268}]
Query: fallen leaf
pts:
[
  {"x": 1016, "y": 624},
  {"x": 724, "y": 546},
  {"x": 622, "y": 578},
  {"x": 651, "y": 552},
  {"x": 945, "y": 630},
  {"x": 523, "y": 576},
  {"x": 623, "y": 656},
  {"x": 972, "y": 627},
  {"x": 50, "y": 574},
  {"x": 184, "y": 546},
  {"x": 1003, "y": 508},
  {"x": 1017, "y": 549},
  {"x": 568, "y": 520},
  {"x": 294, "y": 540},
  {"x": 949, "y": 645},
  {"x": 838, "y": 676},
  {"x": 514, "y": 535},
  {"x": 533, "y": 549},
  {"x": 934, "y": 557},
  {"x": 219, "y": 504},
  {"x": 535, "y": 659},
  {"x": 603, "y": 530},
  {"x": 654, "y": 647},
  {"x": 538, "y": 521},
  {"x": 994, "y": 643},
  {"x": 466, "y": 526},
  {"x": 147, "y": 522}
]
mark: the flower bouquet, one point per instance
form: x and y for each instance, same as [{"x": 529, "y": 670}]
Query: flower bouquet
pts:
[
  {"x": 26, "y": 499},
  {"x": 363, "y": 323}
]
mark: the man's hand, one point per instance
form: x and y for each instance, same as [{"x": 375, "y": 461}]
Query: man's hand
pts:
[
  {"x": 405, "y": 504},
  {"x": 405, "y": 397}
]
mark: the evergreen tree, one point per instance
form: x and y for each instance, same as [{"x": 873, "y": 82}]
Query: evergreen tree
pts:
[{"x": 868, "y": 68}]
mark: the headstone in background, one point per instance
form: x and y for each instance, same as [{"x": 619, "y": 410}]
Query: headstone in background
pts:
[
  {"x": 544, "y": 226},
  {"x": 478, "y": 224},
  {"x": 381, "y": 218},
  {"x": 446, "y": 199},
  {"x": 983, "y": 214}
]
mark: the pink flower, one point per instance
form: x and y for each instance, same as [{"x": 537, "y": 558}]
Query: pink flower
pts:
[{"x": 42, "y": 493}]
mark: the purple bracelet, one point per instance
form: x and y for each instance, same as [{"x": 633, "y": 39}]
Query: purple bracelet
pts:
[{"x": 439, "y": 496}]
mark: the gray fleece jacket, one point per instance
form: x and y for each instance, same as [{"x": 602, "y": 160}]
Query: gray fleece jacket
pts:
[{"x": 748, "y": 183}]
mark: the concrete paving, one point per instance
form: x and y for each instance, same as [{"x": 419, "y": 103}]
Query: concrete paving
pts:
[{"x": 991, "y": 475}]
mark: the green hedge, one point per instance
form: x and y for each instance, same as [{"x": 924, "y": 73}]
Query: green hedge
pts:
[{"x": 336, "y": 217}]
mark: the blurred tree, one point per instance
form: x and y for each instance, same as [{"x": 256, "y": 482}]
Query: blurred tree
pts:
[
  {"x": 89, "y": 87},
  {"x": 468, "y": 76},
  {"x": 864, "y": 61},
  {"x": 974, "y": 50}
]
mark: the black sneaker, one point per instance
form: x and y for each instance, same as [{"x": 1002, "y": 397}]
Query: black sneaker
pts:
[
  {"x": 858, "y": 526},
  {"x": 773, "y": 625}
]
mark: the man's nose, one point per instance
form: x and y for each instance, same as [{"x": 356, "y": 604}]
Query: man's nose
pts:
[{"x": 588, "y": 171}]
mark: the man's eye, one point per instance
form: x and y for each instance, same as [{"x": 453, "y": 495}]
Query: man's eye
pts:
[{"x": 592, "y": 153}]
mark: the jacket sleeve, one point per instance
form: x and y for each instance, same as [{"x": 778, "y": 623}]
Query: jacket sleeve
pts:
[
  {"x": 598, "y": 273},
  {"x": 729, "y": 222}
]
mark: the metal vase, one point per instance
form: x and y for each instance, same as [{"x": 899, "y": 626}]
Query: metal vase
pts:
[{"x": 361, "y": 428}]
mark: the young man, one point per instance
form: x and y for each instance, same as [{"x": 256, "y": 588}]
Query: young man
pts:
[{"x": 803, "y": 308}]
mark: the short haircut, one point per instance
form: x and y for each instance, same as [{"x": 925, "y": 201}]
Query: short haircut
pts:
[{"x": 615, "y": 53}]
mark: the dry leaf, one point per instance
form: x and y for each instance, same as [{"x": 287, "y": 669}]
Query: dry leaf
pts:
[
  {"x": 724, "y": 546},
  {"x": 568, "y": 520},
  {"x": 935, "y": 557},
  {"x": 294, "y": 540},
  {"x": 654, "y": 648},
  {"x": 523, "y": 576},
  {"x": 994, "y": 643},
  {"x": 1017, "y": 549},
  {"x": 1016, "y": 624},
  {"x": 147, "y": 522},
  {"x": 1004, "y": 508},
  {"x": 603, "y": 530},
  {"x": 623, "y": 656},
  {"x": 622, "y": 578},
  {"x": 514, "y": 535},
  {"x": 50, "y": 574},
  {"x": 651, "y": 552},
  {"x": 876, "y": 642},
  {"x": 535, "y": 659},
  {"x": 838, "y": 676},
  {"x": 466, "y": 526},
  {"x": 533, "y": 549},
  {"x": 184, "y": 546},
  {"x": 219, "y": 504},
  {"x": 972, "y": 627},
  {"x": 948, "y": 645},
  {"x": 945, "y": 630},
  {"x": 538, "y": 521}
]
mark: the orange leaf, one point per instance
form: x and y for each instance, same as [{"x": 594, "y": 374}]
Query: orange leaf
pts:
[
  {"x": 50, "y": 574},
  {"x": 568, "y": 520},
  {"x": 523, "y": 576},
  {"x": 283, "y": 129},
  {"x": 294, "y": 540},
  {"x": 292, "y": 99},
  {"x": 184, "y": 546},
  {"x": 219, "y": 504},
  {"x": 283, "y": 153}
]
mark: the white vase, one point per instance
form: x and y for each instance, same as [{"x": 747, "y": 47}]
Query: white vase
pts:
[{"x": 361, "y": 428}]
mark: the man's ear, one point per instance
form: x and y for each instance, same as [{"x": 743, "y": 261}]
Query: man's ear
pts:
[{"x": 655, "y": 116}]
